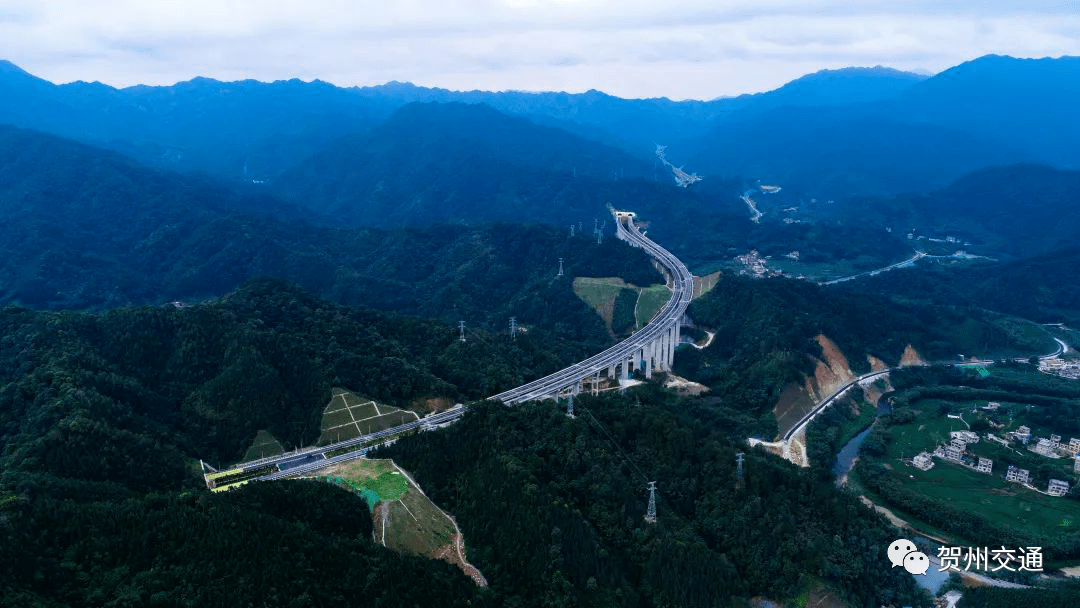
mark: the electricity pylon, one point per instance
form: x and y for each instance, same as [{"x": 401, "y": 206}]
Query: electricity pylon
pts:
[{"x": 650, "y": 515}]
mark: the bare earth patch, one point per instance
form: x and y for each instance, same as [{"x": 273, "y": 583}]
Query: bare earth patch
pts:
[
  {"x": 911, "y": 357},
  {"x": 684, "y": 386}
]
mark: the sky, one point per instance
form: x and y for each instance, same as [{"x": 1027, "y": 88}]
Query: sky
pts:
[{"x": 680, "y": 49}]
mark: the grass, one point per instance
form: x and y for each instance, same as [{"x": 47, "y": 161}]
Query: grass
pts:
[
  {"x": 262, "y": 446},
  {"x": 365, "y": 410},
  {"x": 416, "y": 525},
  {"x": 854, "y": 426},
  {"x": 990, "y": 497},
  {"x": 349, "y": 415},
  {"x": 791, "y": 406},
  {"x": 994, "y": 499},
  {"x": 922, "y": 435},
  {"x": 651, "y": 300},
  {"x": 389, "y": 486},
  {"x": 338, "y": 418},
  {"x": 600, "y": 294}
]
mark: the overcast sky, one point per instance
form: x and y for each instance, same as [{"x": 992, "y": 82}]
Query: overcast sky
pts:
[{"x": 632, "y": 48}]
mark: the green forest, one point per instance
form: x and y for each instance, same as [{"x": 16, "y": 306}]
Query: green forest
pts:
[
  {"x": 553, "y": 509},
  {"x": 102, "y": 416}
]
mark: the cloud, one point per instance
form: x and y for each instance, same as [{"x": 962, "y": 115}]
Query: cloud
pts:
[{"x": 627, "y": 47}]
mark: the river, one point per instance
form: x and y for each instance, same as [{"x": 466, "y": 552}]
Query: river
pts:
[{"x": 845, "y": 461}]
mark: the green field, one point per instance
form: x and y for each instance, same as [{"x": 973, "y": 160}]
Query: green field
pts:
[
  {"x": 600, "y": 294},
  {"x": 262, "y": 446},
  {"x": 389, "y": 486},
  {"x": 651, "y": 300},
  {"x": 349, "y": 415},
  {"x": 854, "y": 426},
  {"x": 921, "y": 435},
  {"x": 611, "y": 297},
  {"x": 415, "y": 524},
  {"x": 993, "y": 498},
  {"x": 988, "y": 497}
]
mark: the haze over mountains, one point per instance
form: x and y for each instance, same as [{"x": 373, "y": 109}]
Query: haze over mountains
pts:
[
  {"x": 872, "y": 130},
  {"x": 886, "y": 145},
  {"x": 324, "y": 237}
]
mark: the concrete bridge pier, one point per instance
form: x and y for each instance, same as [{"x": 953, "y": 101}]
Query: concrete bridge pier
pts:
[{"x": 662, "y": 350}]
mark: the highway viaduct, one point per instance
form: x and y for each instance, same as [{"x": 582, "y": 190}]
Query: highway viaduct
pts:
[{"x": 649, "y": 349}]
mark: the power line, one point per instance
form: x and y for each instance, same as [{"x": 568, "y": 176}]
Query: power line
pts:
[{"x": 614, "y": 443}]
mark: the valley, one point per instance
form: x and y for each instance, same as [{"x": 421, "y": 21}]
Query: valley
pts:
[{"x": 384, "y": 304}]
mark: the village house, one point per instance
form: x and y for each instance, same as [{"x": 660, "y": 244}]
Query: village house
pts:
[
  {"x": 1073, "y": 447},
  {"x": 1057, "y": 488},
  {"x": 1045, "y": 447},
  {"x": 1017, "y": 475},
  {"x": 965, "y": 436},
  {"x": 954, "y": 451},
  {"x": 1022, "y": 434},
  {"x": 924, "y": 461}
]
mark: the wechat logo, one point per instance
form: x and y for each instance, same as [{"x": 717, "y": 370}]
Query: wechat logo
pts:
[{"x": 902, "y": 552}]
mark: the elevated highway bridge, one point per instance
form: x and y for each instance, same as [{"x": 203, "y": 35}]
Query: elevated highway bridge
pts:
[{"x": 649, "y": 349}]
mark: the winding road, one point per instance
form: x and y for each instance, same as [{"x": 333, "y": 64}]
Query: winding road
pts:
[{"x": 317, "y": 457}]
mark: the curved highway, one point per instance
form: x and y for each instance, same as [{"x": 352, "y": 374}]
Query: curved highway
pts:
[{"x": 682, "y": 290}]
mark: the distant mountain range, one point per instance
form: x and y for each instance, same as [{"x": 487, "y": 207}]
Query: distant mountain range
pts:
[
  {"x": 1013, "y": 211},
  {"x": 833, "y": 133},
  {"x": 89, "y": 229}
]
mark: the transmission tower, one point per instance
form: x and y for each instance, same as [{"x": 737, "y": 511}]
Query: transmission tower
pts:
[
  {"x": 560, "y": 268},
  {"x": 571, "y": 231},
  {"x": 461, "y": 326},
  {"x": 513, "y": 328},
  {"x": 738, "y": 469},
  {"x": 650, "y": 516}
]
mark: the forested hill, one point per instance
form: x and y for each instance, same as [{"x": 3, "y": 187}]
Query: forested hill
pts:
[
  {"x": 101, "y": 415},
  {"x": 1013, "y": 211},
  {"x": 1038, "y": 288},
  {"x": 89, "y": 229},
  {"x": 469, "y": 163},
  {"x": 102, "y": 418},
  {"x": 766, "y": 333},
  {"x": 989, "y": 111},
  {"x": 553, "y": 509},
  {"x": 127, "y": 395}
]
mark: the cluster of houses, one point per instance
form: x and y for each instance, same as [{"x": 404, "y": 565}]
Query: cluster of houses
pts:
[
  {"x": 956, "y": 451},
  {"x": 1061, "y": 367}
]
